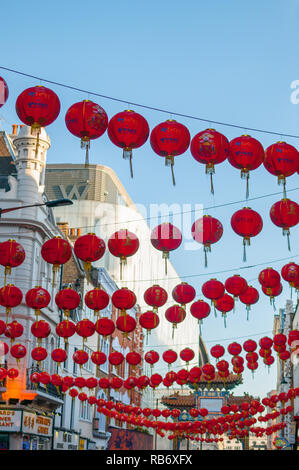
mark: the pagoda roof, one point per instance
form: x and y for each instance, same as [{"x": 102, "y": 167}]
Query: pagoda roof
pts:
[
  {"x": 189, "y": 401},
  {"x": 217, "y": 383}
]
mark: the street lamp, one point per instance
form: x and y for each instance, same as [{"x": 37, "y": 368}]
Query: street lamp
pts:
[{"x": 54, "y": 203}]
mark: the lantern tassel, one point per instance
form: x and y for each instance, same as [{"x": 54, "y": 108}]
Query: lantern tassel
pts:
[
  {"x": 247, "y": 309},
  {"x": 247, "y": 186},
  {"x": 172, "y": 173},
  {"x": 211, "y": 181},
  {"x": 127, "y": 155},
  {"x": 85, "y": 144},
  {"x": 224, "y": 317}
]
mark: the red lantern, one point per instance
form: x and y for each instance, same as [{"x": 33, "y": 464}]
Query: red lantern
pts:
[
  {"x": 249, "y": 297},
  {"x": 151, "y": 357},
  {"x": 128, "y": 130},
  {"x": 169, "y": 356},
  {"x": 126, "y": 325},
  {"x": 285, "y": 214},
  {"x": 133, "y": 358},
  {"x": 266, "y": 343},
  {"x": 57, "y": 381},
  {"x": 10, "y": 296},
  {"x": 207, "y": 230},
  {"x": 105, "y": 327},
  {"x": 290, "y": 273},
  {"x": 268, "y": 360},
  {"x": 89, "y": 248},
  {"x": 12, "y": 373},
  {"x": 200, "y": 310},
  {"x": 83, "y": 397},
  {"x": 293, "y": 336},
  {"x": 56, "y": 251},
  {"x": 169, "y": 139},
  {"x": 247, "y": 223},
  {"x": 104, "y": 383},
  {"x": 18, "y": 351},
  {"x": 91, "y": 383},
  {"x": 40, "y": 329},
  {"x": 123, "y": 244},
  {"x": 59, "y": 355},
  {"x": 86, "y": 120},
  {"x": 4, "y": 348},
  {"x": 14, "y": 330},
  {"x": 222, "y": 366},
  {"x": 98, "y": 358},
  {"x": 68, "y": 381},
  {"x": 155, "y": 296},
  {"x": 217, "y": 351},
  {"x": 246, "y": 154},
  {"x": 210, "y": 148},
  {"x": 236, "y": 285},
  {"x": 225, "y": 304},
  {"x": 213, "y": 290},
  {"x": 269, "y": 278},
  {"x": 166, "y": 237},
  {"x": 80, "y": 357},
  {"x": 97, "y": 299},
  {"x": 85, "y": 328},
  {"x": 37, "y": 298},
  {"x": 12, "y": 254},
  {"x": 281, "y": 160},
  {"x": 65, "y": 329},
  {"x": 187, "y": 355},
  {"x": 37, "y": 106},
  {"x": 175, "y": 315},
  {"x": 116, "y": 383},
  {"x": 116, "y": 358},
  {"x": 2, "y": 327},
  {"x": 183, "y": 294},
  {"x": 272, "y": 293},
  {"x": 249, "y": 345},
  {"x": 67, "y": 299},
  {"x": 73, "y": 393},
  {"x": 156, "y": 380},
  {"x": 142, "y": 382},
  {"x": 149, "y": 320},
  {"x": 39, "y": 354},
  {"x": 3, "y": 373},
  {"x": 3, "y": 92},
  {"x": 123, "y": 299}
]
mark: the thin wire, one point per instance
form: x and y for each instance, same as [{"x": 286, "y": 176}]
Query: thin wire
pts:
[{"x": 152, "y": 108}]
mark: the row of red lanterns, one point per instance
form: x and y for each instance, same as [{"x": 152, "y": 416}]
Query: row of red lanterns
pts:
[{"x": 39, "y": 107}]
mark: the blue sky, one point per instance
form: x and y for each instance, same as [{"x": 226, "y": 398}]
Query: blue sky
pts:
[{"x": 227, "y": 61}]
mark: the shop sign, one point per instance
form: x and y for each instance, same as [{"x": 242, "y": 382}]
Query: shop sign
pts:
[
  {"x": 10, "y": 420},
  {"x": 36, "y": 424}
]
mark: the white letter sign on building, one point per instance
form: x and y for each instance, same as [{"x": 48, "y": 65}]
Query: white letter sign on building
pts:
[{"x": 10, "y": 420}]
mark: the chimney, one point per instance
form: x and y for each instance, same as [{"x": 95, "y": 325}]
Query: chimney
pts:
[
  {"x": 64, "y": 227},
  {"x": 14, "y": 129}
]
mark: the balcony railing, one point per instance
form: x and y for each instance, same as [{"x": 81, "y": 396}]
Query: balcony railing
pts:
[{"x": 50, "y": 389}]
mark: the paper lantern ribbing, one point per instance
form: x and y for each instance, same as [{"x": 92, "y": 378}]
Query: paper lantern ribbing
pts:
[
  {"x": 97, "y": 299},
  {"x": 59, "y": 355},
  {"x": 98, "y": 358},
  {"x": 183, "y": 294},
  {"x": 80, "y": 357},
  {"x": 170, "y": 139},
  {"x": 18, "y": 351},
  {"x": 175, "y": 315},
  {"x": 133, "y": 358},
  {"x": 56, "y": 251},
  {"x": 225, "y": 304},
  {"x": 273, "y": 292},
  {"x": 65, "y": 329},
  {"x": 37, "y": 298},
  {"x": 4, "y": 92},
  {"x": 187, "y": 355},
  {"x": 39, "y": 354},
  {"x": 149, "y": 320},
  {"x": 285, "y": 214},
  {"x": 116, "y": 358},
  {"x": 200, "y": 310},
  {"x": 249, "y": 297},
  {"x": 104, "y": 327},
  {"x": 67, "y": 299},
  {"x": 14, "y": 330},
  {"x": 213, "y": 290},
  {"x": 128, "y": 130},
  {"x": 40, "y": 330},
  {"x": 246, "y": 154},
  {"x": 37, "y": 106},
  {"x": 281, "y": 160},
  {"x": 151, "y": 357},
  {"x": 123, "y": 244},
  {"x": 210, "y": 148},
  {"x": 166, "y": 237},
  {"x": 12, "y": 254},
  {"x": 234, "y": 349},
  {"x": 247, "y": 223},
  {"x": 236, "y": 285},
  {"x": 10, "y": 297},
  {"x": 126, "y": 324},
  {"x": 85, "y": 328},
  {"x": 207, "y": 231},
  {"x": 89, "y": 248},
  {"x": 290, "y": 273},
  {"x": 269, "y": 278},
  {"x": 155, "y": 296},
  {"x": 124, "y": 299}
]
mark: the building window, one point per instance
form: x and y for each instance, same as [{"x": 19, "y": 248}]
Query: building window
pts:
[
  {"x": 85, "y": 411},
  {"x": 89, "y": 366},
  {"x": 102, "y": 418},
  {"x": 105, "y": 349}
]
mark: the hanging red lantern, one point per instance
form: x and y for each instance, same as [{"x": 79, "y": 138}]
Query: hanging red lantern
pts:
[
  {"x": 246, "y": 154},
  {"x": 12, "y": 373},
  {"x": 247, "y": 223},
  {"x": 105, "y": 327},
  {"x": 85, "y": 328},
  {"x": 251, "y": 356},
  {"x": 97, "y": 299},
  {"x": 210, "y": 148},
  {"x": 266, "y": 343},
  {"x": 281, "y": 160},
  {"x": 56, "y": 251},
  {"x": 187, "y": 355},
  {"x": 98, "y": 358},
  {"x": 3, "y": 374},
  {"x": 57, "y": 381},
  {"x": 249, "y": 345},
  {"x": 18, "y": 351},
  {"x": 12, "y": 254},
  {"x": 142, "y": 382},
  {"x": 279, "y": 339},
  {"x": 133, "y": 358},
  {"x": 116, "y": 383},
  {"x": 183, "y": 293},
  {"x": 89, "y": 248},
  {"x": 236, "y": 285},
  {"x": 207, "y": 231},
  {"x": 213, "y": 290},
  {"x": 14, "y": 330},
  {"x": 83, "y": 397},
  {"x": 208, "y": 371},
  {"x": 116, "y": 358},
  {"x": 151, "y": 357},
  {"x": 166, "y": 237},
  {"x": 155, "y": 296},
  {"x": 149, "y": 320},
  {"x": 4, "y": 92},
  {"x": 37, "y": 298},
  {"x": 290, "y": 273},
  {"x": 91, "y": 383},
  {"x": 67, "y": 299},
  {"x": 285, "y": 214},
  {"x": 225, "y": 304},
  {"x": 2, "y": 327},
  {"x": 10, "y": 297},
  {"x": 269, "y": 278},
  {"x": 200, "y": 310},
  {"x": 39, "y": 354},
  {"x": 126, "y": 325},
  {"x": 40, "y": 329},
  {"x": 156, "y": 380},
  {"x": 170, "y": 139},
  {"x": 123, "y": 299},
  {"x": 268, "y": 360},
  {"x": 68, "y": 381},
  {"x": 249, "y": 297},
  {"x": 169, "y": 356},
  {"x": 128, "y": 130},
  {"x": 88, "y": 121},
  {"x": 80, "y": 357},
  {"x": 222, "y": 366},
  {"x": 217, "y": 351},
  {"x": 37, "y": 106},
  {"x": 73, "y": 393},
  {"x": 272, "y": 293},
  {"x": 123, "y": 244},
  {"x": 104, "y": 383},
  {"x": 183, "y": 375},
  {"x": 59, "y": 355},
  {"x": 175, "y": 315},
  {"x": 65, "y": 329},
  {"x": 293, "y": 336},
  {"x": 4, "y": 348},
  {"x": 80, "y": 382}
]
